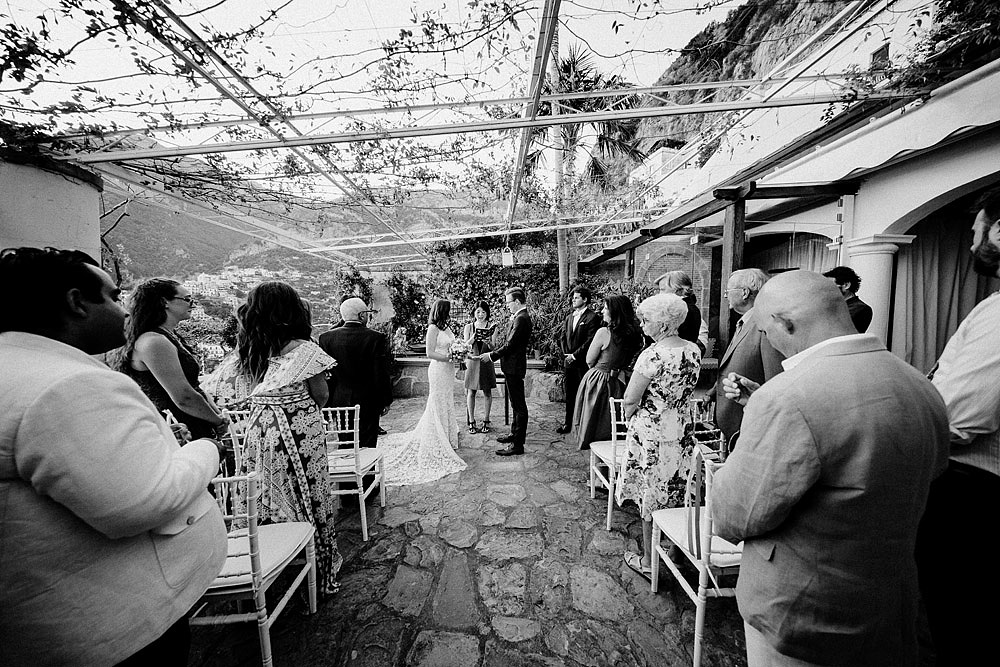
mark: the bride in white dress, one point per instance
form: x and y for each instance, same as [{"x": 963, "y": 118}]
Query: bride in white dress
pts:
[{"x": 427, "y": 452}]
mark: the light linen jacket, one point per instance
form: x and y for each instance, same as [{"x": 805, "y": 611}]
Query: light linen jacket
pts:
[
  {"x": 107, "y": 532},
  {"x": 826, "y": 488}
]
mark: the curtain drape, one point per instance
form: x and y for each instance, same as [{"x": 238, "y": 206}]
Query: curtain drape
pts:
[
  {"x": 803, "y": 251},
  {"x": 935, "y": 289}
]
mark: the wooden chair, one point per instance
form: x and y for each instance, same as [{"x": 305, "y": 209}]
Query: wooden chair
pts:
[
  {"x": 609, "y": 454},
  {"x": 349, "y": 461},
  {"x": 257, "y": 555},
  {"x": 690, "y": 529}
]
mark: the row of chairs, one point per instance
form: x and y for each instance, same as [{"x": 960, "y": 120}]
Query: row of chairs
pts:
[
  {"x": 689, "y": 528},
  {"x": 258, "y": 554}
]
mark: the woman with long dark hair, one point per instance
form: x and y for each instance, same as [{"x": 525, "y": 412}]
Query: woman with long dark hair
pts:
[
  {"x": 286, "y": 375},
  {"x": 609, "y": 353},
  {"x": 161, "y": 362},
  {"x": 479, "y": 376},
  {"x": 427, "y": 452}
]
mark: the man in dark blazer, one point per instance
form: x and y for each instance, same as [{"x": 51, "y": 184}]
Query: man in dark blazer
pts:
[
  {"x": 513, "y": 356},
  {"x": 826, "y": 488},
  {"x": 749, "y": 354},
  {"x": 581, "y": 325},
  {"x": 361, "y": 376},
  {"x": 849, "y": 282}
]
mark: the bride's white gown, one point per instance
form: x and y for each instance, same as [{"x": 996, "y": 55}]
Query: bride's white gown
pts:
[{"x": 427, "y": 452}]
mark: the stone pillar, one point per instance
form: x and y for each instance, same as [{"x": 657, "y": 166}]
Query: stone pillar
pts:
[{"x": 871, "y": 257}]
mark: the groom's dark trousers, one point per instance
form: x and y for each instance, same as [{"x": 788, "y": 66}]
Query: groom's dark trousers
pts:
[{"x": 513, "y": 355}]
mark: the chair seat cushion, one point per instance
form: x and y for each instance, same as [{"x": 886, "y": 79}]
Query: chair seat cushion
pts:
[
  {"x": 343, "y": 462},
  {"x": 279, "y": 544},
  {"x": 674, "y": 524},
  {"x": 602, "y": 449}
]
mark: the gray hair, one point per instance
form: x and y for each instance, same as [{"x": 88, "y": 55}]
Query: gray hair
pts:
[
  {"x": 668, "y": 310},
  {"x": 678, "y": 282},
  {"x": 750, "y": 279}
]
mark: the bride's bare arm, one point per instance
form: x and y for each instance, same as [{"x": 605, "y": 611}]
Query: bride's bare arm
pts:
[{"x": 430, "y": 341}]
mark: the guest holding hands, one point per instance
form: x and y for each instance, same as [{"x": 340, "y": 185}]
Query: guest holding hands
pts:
[
  {"x": 609, "y": 353},
  {"x": 656, "y": 464},
  {"x": 160, "y": 361},
  {"x": 479, "y": 376}
]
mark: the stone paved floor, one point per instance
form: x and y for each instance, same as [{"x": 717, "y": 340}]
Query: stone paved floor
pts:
[{"x": 506, "y": 564}]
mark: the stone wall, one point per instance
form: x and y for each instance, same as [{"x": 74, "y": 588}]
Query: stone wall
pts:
[{"x": 410, "y": 379}]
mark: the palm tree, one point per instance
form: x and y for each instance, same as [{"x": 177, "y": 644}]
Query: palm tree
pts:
[{"x": 605, "y": 141}]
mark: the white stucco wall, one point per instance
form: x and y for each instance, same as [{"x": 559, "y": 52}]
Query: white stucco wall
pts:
[{"x": 42, "y": 208}]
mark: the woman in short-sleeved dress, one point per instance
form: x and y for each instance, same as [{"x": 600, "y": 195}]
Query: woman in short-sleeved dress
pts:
[
  {"x": 285, "y": 373},
  {"x": 479, "y": 376},
  {"x": 656, "y": 466}
]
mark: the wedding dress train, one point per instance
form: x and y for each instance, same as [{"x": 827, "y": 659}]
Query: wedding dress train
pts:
[{"x": 427, "y": 452}]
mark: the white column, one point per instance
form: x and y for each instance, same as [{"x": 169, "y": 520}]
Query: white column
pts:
[{"x": 871, "y": 258}]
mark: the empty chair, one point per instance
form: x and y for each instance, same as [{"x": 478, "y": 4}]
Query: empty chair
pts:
[
  {"x": 609, "y": 454},
  {"x": 690, "y": 529},
  {"x": 257, "y": 555},
  {"x": 349, "y": 461}
]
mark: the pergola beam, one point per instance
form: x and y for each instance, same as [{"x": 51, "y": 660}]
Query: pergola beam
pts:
[
  {"x": 650, "y": 91},
  {"x": 543, "y": 46},
  {"x": 485, "y": 126}
]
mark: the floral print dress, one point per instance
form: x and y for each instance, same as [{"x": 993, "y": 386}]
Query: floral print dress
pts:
[
  {"x": 655, "y": 470},
  {"x": 285, "y": 441}
]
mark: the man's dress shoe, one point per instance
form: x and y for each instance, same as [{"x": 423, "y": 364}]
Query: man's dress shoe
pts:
[
  {"x": 563, "y": 430},
  {"x": 506, "y": 439},
  {"x": 513, "y": 450}
]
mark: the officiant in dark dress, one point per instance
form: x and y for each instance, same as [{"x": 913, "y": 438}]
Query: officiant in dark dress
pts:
[{"x": 581, "y": 325}]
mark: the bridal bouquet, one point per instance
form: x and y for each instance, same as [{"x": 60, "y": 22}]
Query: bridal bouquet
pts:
[{"x": 459, "y": 351}]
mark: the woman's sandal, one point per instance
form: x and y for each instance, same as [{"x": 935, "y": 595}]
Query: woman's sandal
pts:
[
  {"x": 486, "y": 427},
  {"x": 472, "y": 427},
  {"x": 634, "y": 562}
]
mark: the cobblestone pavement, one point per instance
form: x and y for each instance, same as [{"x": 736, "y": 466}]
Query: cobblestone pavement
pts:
[{"x": 505, "y": 564}]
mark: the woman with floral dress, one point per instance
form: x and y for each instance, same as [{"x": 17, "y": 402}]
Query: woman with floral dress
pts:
[
  {"x": 656, "y": 466},
  {"x": 281, "y": 373}
]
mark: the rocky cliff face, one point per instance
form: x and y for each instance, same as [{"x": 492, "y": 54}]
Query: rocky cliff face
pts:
[{"x": 751, "y": 41}]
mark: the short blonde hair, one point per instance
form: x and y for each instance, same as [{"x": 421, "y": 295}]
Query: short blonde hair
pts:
[
  {"x": 668, "y": 310},
  {"x": 677, "y": 282}
]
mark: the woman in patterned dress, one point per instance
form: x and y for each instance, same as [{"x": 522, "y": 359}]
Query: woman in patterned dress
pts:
[
  {"x": 656, "y": 466},
  {"x": 286, "y": 375}
]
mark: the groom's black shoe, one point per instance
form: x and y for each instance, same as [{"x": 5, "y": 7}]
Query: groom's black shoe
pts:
[
  {"x": 506, "y": 439},
  {"x": 563, "y": 430},
  {"x": 513, "y": 450}
]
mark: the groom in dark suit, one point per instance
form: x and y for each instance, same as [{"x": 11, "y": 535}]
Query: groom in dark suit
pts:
[
  {"x": 513, "y": 362},
  {"x": 581, "y": 325},
  {"x": 361, "y": 376}
]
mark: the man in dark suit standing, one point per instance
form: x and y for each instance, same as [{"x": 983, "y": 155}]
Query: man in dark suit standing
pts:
[
  {"x": 361, "y": 376},
  {"x": 581, "y": 325},
  {"x": 849, "y": 282},
  {"x": 513, "y": 355},
  {"x": 749, "y": 355}
]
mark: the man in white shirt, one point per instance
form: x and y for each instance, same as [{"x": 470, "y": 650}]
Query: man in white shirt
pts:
[
  {"x": 965, "y": 500},
  {"x": 826, "y": 487},
  {"x": 108, "y": 535}
]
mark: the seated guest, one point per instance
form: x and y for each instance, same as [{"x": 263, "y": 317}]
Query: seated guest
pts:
[
  {"x": 108, "y": 536},
  {"x": 159, "y": 360},
  {"x": 827, "y": 485},
  {"x": 283, "y": 374},
  {"x": 611, "y": 351},
  {"x": 656, "y": 465}
]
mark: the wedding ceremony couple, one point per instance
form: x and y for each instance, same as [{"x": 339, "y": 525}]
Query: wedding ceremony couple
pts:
[{"x": 427, "y": 452}]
